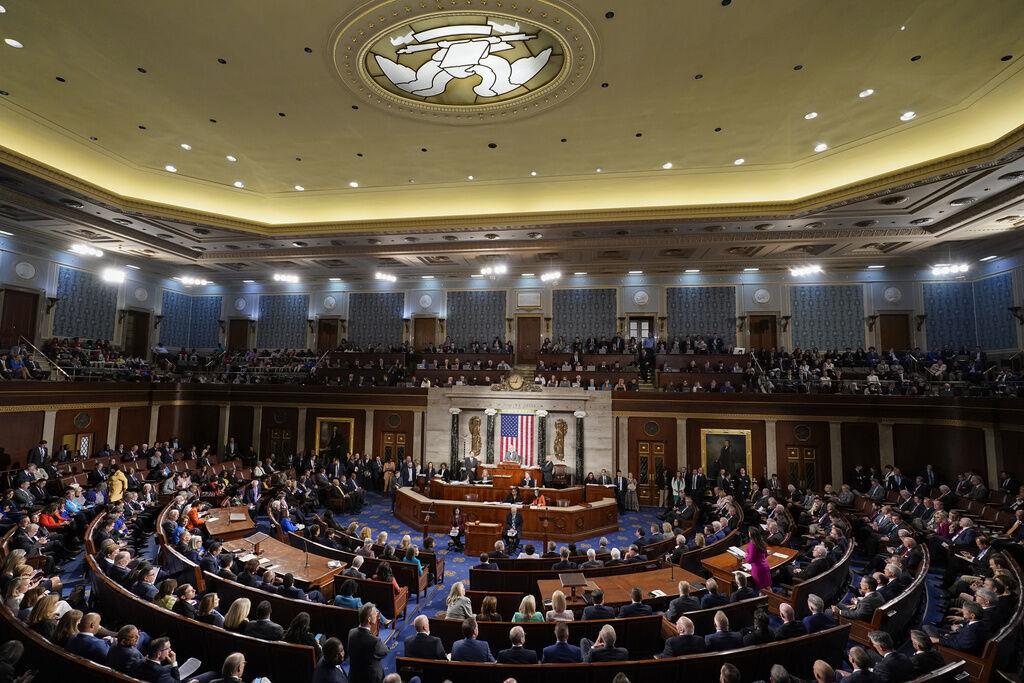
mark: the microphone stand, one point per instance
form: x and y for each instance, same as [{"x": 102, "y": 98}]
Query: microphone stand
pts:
[{"x": 305, "y": 544}]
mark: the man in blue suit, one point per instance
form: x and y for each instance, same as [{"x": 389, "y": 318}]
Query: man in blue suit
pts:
[
  {"x": 817, "y": 620},
  {"x": 328, "y": 669},
  {"x": 561, "y": 652},
  {"x": 894, "y": 666},
  {"x": 861, "y": 662},
  {"x": 636, "y": 608},
  {"x": 603, "y": 649},
  {"x": 124, "y": 655},
  {"x": 85, "y": 643},
  {"x": 598, "y": 610},
  {"x": 161, "y": 666},
  {"x": 722, "y": 638},
  {"x": 683, "y": 644},
  {"x": 469, "y": 649},
  {"x": 422, "y": 645},
  {"x": 713, "y": 597},
  {"x": 145, "y": 587},
  {"x": 517, "y": 654},
  {"x": 970, "y": 637}
]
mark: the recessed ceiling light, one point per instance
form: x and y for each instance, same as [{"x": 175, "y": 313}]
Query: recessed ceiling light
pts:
[
  {"x": 533, "y": 173},
  {"x": 988, "y": 258},
  {"x": 811, "y": 115},
  {"x": 170, "y": 169},
  {"x": 476, "y": 275},
  {"x": 132, "y": 267},
  {"x": 427, "y": 277},
  {"x": 907, "y": 115},
  {"x": 580, "y": 273},
  {"x": 820, "y": 147},
  {"x": 334, "y": 279},
  {"x": 598, "y": 170},
  {"x": 667, "y": 165},
  {"x": 527, "y": 275},
  {"x": 903, "y": 28},
  {"x": 6, "y": 234},
  {"x": 875, "y": 267},
  {"x": 231, "y": 158},
  {"x": 353, "y": 184},
  {"x": 239, "y": 184},
  {"x": 12, "y": 42},
  {"x": 248, "y": 282},
  {"x": 286, "y": 277},
  {"x": 469, "y": 177},
  {"x": 868, "y": 92},
  {"x": 300, "y": 188},
  {"x": 185, "y": 146},
  {"x": 2, "y": 9},
  {"x": 738, "y": 161},
  {"x": 692, "y": 270},
  {"x": 751, "y": 270},
  {"x": 636, "y": 272}
]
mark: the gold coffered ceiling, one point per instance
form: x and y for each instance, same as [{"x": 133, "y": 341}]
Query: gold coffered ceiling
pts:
[{"x": 125, "y": 66}]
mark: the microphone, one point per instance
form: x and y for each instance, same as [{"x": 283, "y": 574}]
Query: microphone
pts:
[{"x": 305, "y": 544}]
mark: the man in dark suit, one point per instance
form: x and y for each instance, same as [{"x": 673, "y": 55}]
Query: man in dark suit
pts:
[
  {"x": 211, "y": 560},
  {"x": 636, "y": 608},
  {"x": 517, "y": 654},
  {"x": 684, "y": 603},
  {"x": 328, "y": 669},
  {"x": 683, "y": 644},
  {"x": 365, "y": 650},
  {"x": 85, "y": 643},
  {"x": 262, "y": 626},
  {"x": 564, "y": 564},
  {"x": 469, "y": 649},
  {"x": 561, "y": 652},
  {"x": 547, "y": 471},
  {"x": 38, "y": 454},
  {"x": 817, "y": 620},
  {"x": 926, "y": 658},
  {"x": 713, "y": 598},
  {"x": 603, "y": 649},
  {"x": 791, "y": 627},
  {"x": 621, "y": 487},
  {"x": 969, "y": 638},
  {"x": 144, "y": 587},
  {"x": 603, "y": 478},
  {"x": 866, "y": 605},
  {"x": 288, "y": 588},
  {"x": 894, "y": 666},
  {"x": 696, "y": 484},
  {"x": 421, "y": 644},
  {"x": 407, "y": 476},
  {"x": 597, "y": 610},
  {"x": 161, "y": 666},
  {"x": 722, "y": 638},
  {"x": 513, "y": 528},
  {"x": 860, "y": 660},
  {"x": 124, "y": 655},
  {"x": 469, "y": 466}
]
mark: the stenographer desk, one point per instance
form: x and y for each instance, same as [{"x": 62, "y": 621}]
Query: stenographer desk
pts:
[{"x": 486, "y": 493}]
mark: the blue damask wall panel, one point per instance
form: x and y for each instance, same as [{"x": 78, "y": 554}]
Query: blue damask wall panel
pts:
[
  {"x": 583, "y": 312},
  {"x": 479, "y": 314},
  {"x": 703, "y": 311},
  {"x": 950, "y": 310},
  {"x": 827, "y": 316},
  {"x": 996, "y": 327},
  {"x": 375, "y": 317},
  {"x": 174, "y": 328},
  {"x": 204, "y": 332},
  {"x": 282, "y": 321},
  {"x": 87, "y": 305}
]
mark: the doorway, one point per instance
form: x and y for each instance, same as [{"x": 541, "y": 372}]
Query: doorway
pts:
[
  {"x": 763, "y": 332},
  {"x": 639, "y": 328},
  {"x": 650, "y": 457},
  {"x": 79, "y": 444},
  {"x": 894, "y": 331},
  {"x": 238, "y": 334},
  {"x": 326, "y": 336},
  {"x": 527, "y": 340},
  {"x": 282, "y": 442},
  {"x": 136, "y": 333},
  {"x": 392, "y": 445},
  {"x": 803, "y": 466},
  {"x": 18, "y": 318},
  {"x": 424, "y": 332}
]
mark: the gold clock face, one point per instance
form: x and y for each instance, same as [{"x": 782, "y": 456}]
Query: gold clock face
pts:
[{"x": 515, "y": 381}]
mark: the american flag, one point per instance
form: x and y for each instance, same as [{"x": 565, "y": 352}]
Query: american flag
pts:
[{"x": 517, "y": 435}]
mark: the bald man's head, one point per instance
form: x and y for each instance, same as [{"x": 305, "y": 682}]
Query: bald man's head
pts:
[{"x": 421, "y": 624}]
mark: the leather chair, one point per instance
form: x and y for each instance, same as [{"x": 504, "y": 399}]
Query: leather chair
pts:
[{"x": 561, "y": 477}]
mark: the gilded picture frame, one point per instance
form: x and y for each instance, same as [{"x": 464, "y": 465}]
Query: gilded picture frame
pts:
[
  {"x": 740, "y": 454},
  {"x": 325, "y": 427}
]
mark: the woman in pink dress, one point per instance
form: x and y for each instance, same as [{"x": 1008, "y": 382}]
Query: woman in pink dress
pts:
[{"x": 757, "y": 558}]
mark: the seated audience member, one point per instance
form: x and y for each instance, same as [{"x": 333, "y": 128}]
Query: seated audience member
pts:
[
  {"x": 559, "y": 611},
  {"x": 489, "y": 610},
  {"x": 636, "y": 606},
  {"x": 603, "y": 649},
  {"x": 485, "y": 563},
  {"x": 817, "y": 620},
  {"x": 592, "y": 561},
  {"x": 517, "y": 654},
  {"x": 421, "y": 644},
  {"x": 123, "y": 655},
  {"x": 459, "y": 606},
  {"x": 685, "y": 643},
  {"x": 597, "y": 610},
  {"x": 713, "y": 598},
  {"x": 298, "y": 633},
  {"x": 262, "y": 626},
  {"x": 207, "y": 612},
  {"x": 791, "y": 627},
  {"x": 969, "y": 638},
  {"x": 237, "y": 617},
  {"x": 926, "y": 657},
  {"x": 744, "y": 591},
  {"x": 328, "y": 669},
  {"x": 761, "y": 632},
  {"x": 161, "y": 666},
  {"x": 355, "y": 569},
  {"x": 469, "y": 649},
  {"x": 892, "y": 665},
  {"x": 347, "y": 597},
  {"x": 561, "y": 652},
  {"x": 564, "y": 564},
  {"x": 684, "y": 603},
  {"x": 527, "y": 610},
  {"x": 722, "y": 638}
]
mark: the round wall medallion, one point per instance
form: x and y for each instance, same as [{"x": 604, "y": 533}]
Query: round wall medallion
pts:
[
  {"x": 240, "y": 304},
  {"x": 25, "y": 270},
  {"x": 141, "y": 293},
  {"x": 802, "y": 432},
  {"x": 762, "y": 296},
  {"x": 651, "y": 428},
  {"x": 329, "y": 303},
  {"x": 892, "y": 295},
  {"x": 436, "y": 64},
  {"x": 394, "y": 420},
  {"x": 425, "y": 301},
  {"x": 82, "y": 420},
  {"x": 280, "y": 418},
  {"x": 641, "y": 298}
]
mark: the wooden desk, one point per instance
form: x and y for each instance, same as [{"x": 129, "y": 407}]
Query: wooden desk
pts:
[
  {"x": 441, "y": 490},
  {"x": 722, "y": 566},
  {"x": 597, "y": 492},
  {"x": 289, "y": 560},
  {"x": 224, "y": 529},
  {"x": 617, "y": 588},
  {"x": 481, "y": 536}
]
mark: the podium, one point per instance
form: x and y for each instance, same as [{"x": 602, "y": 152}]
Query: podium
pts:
[{"x": 480, "y": 537}]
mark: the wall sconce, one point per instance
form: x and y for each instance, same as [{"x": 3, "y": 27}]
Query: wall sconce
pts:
[
  {"x": 870, "y": 320},
  {"x": 122, "y": 313},
  {"x": 221, "y": 324},
  {"x": 547, "y": 325},
  {"x": 157, "y": 320},
  {"x": 740, "y": 322},
  {"x": 920, "y": 321},
  {"x": 311, "y": 322},
  {"x": 1016, "y": 311},
  {"x": 51, "y": 301},
  {"x": 785, "y": 322}
]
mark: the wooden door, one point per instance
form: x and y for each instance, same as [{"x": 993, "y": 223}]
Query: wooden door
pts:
[
  {"x": 527, "y": 340},
  {"x": 763, "y": 333},
  {"x": 18, "y": 318},
  {"x": 79, "y": 444},
  {"x": 640, "y": 327},
  {"x": 893, "y": 331},
  {"x": 650, "y": 456},
  {"x": 238, "y": 335},
  {"x": 282, "y": 442},
  {"x": 136, "y": 333},
  {"x": 326, "y": 336},
  {"x": 392, "y": 445},
  {"x": 802, "y": 467},
  {"x": 424, "y": 332}
]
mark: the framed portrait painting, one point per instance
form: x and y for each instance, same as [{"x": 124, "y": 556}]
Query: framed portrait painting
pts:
[
  {"x": 725, "y": 448},
  {"x": 335, "y": 436}
]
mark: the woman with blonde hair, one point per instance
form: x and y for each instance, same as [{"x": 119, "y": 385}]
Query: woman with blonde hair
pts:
[
  {"x": 366, "y": 533},
  {"x": 238, "y": 615},
  {"x": 459, "y": 606},
  {"x": 527, "y": 611},
  {"x": 559, "y": 610},
  {"x": 43, "y": 619},
  {"x": 698, "y": 541},
  {"x": 405, "y": 543},
  {"x": 382, "y": 538},
  {"x": 352, "y": 529}
]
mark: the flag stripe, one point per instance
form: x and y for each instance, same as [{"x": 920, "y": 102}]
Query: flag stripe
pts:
[{"x": 517, "y": 435}]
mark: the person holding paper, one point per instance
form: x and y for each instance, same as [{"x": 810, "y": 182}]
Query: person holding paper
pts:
[
  {"x": 513, "y": 527},
  {"x": 757, "y": 558}
]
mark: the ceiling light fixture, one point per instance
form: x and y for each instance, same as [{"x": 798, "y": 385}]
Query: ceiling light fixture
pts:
[
  {"x": 751, "y": 270},
  {"x": 987, "y": 259},
  {"x": 286, "y": 277},
  {"x": 820, "y": 147},
  {"x": 476, "y": 275},
  {"x": 580, "y": 273},
  {"x": 190, "y": 281},
  {"x": 533, "y": 173},
  {"x": 491, "y": 271},
  {"x": 239, "y": 184},
  {"x": 551, "y": 275},
  {"x": 907, "y": 115},
  {"x": 636, "y": 272},
  {"x": 667, "y": 165},
  {"x": 811, "y": 115},
  {"x": 800, "y": 271},
  {"x": 6, "y": 234},
  {"x": 3, "y": 9},
  {"x": 170, "y": 169},
  {"x": 86, "y": 250},
  {"x": 249, "y": 282},
  {"x": 876, "y": 267},
  {"x": 949, "y": 268},
  {"x": 300, "y": 188},
  {"x": 231, "y": 158},
  {"x": 597, "y": 170},
  {"x": 385, "y": 277},
  {"x": 867, "y": 92},
  {"x": 334, "y": 279},
  {"x": 427, "y": 277},
  {"x": 353, "y": 184},
  {"x": 13, "y": 43},
  {"x": 469, "y": 177},
  {"x": 114, "y": 275},
  {"x": 527, "y": 275},
  {"x": 739, "y": 162},
  {"x": 692, "y": 270}
]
